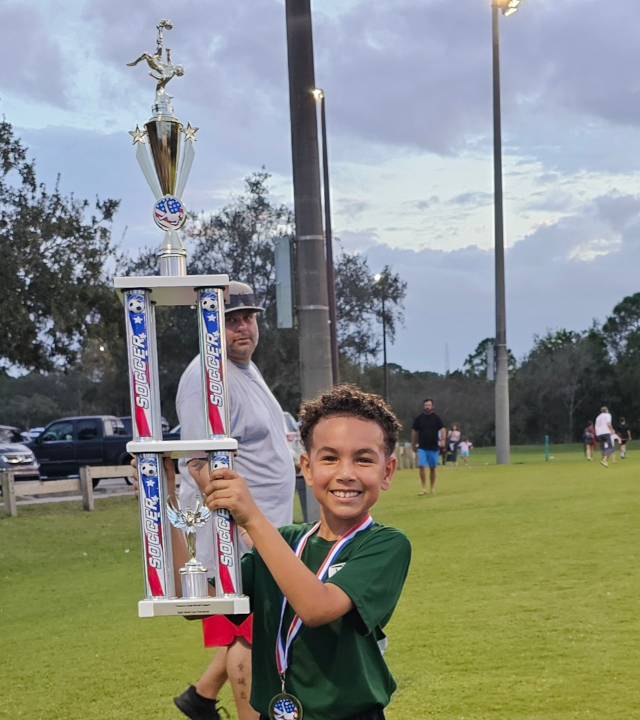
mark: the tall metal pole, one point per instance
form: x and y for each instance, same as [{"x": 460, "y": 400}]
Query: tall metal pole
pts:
[
  {"x": 503, "y": 440},
  {"x": 385, "y": 366},
  {"x": 328, "y": 234},
  {"x": 313, "y": 311}
]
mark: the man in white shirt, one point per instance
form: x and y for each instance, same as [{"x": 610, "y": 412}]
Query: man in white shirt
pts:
[
  {"x": 264, "y": 460},
  {"x": 604, "y": 434}
]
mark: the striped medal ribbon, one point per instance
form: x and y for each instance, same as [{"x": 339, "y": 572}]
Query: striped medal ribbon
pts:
[{"x": 282, "y": 648}]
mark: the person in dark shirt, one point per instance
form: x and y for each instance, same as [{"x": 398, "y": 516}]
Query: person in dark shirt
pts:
[
  {"x": 624, "y": 435},
  {"x": 428, "y": 435}
]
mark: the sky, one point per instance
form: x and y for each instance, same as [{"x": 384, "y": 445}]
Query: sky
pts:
[{"x": 409, "y": 115}]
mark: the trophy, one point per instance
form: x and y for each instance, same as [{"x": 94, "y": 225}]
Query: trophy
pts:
[{"x": 164, "y": 150}]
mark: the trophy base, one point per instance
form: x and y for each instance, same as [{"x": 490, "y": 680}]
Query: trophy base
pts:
[{"x": 186, "y": 607}]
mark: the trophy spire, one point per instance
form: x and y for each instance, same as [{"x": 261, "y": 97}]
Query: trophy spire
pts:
[{"x": 165, "y": 154}]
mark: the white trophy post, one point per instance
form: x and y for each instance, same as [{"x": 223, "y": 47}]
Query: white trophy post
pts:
[{"x": 165, "y": 154}]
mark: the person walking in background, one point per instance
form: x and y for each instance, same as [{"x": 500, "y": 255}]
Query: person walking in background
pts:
[
  {"x": 465, "y": 447},
  {"x": 624, "y": 436},
  {"x": 604, "y": 434},
  {"x": 453, "y": 441},
  {"x": 428, "y": 437},
  {"x": 589, "y": 440}
]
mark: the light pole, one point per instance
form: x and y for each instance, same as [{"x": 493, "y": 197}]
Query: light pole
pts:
[
  {"x": 503, "y": 441},
  {"x": 380, "y": 281},
  {"x": 318, "y": 94}
]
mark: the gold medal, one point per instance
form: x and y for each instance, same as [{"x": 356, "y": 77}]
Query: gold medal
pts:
[{"x": 285, "y": 707}]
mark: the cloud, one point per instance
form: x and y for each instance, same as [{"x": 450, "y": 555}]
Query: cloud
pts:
[
  {"x": 422, "y": 205},
  {"x": 472, "y": 199},
  {"x": 30, "y": 58},
  {"x": 352, "y": 208},
  {"x": 562, "y": 275}
]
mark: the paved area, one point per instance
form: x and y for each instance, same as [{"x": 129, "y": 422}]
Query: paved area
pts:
[{"x": 108, "y": 487}]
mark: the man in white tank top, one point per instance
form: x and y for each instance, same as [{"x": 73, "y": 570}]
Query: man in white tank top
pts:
[{"x": 604, "y": 434}]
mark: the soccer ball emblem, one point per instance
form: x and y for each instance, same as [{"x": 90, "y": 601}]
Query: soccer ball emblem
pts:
[
  {"x": 136, "y": 305},
  {"x": 209, "y": 303},
  {"x": 148, "y": 469},
  {"x": 285, "y": 709},
  {"x": 169, "y": 213},
  {"x": 219, "y": 463}
]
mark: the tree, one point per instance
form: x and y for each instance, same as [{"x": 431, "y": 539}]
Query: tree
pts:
[
  {"x": 563, "y": 370},
  {"x": 359, "y": 306},
  {"x": 476, "y": 364},
  {"x": 53, "y": 254},
  {"x": 622, "y": 329},
  {"x": 621, "y": 334}
]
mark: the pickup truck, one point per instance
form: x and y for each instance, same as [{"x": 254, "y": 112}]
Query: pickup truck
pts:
[{"x": 69, "y": 443}]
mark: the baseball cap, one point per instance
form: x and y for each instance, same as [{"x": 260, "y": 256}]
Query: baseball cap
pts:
[{"x": 240, "y": 296}]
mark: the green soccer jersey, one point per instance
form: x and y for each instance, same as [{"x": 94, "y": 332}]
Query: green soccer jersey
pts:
[{"x": 336, "y": 670}]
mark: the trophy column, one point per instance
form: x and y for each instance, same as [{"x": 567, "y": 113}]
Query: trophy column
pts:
[
  {"x": 213, "y": 358},
  {"x": 147, "y": 427}
]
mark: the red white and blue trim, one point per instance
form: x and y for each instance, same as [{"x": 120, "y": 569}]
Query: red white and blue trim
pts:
[{"x": 282, "y": 648}]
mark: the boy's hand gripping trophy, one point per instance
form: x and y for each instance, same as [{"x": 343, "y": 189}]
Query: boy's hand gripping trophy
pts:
[{"x": 165, "y": 154}]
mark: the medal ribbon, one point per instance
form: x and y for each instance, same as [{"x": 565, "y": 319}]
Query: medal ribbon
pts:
[{"x": 282, "y": 649}]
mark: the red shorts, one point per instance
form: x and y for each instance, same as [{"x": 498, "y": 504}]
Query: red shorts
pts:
[{"x": 219, "y": 631}]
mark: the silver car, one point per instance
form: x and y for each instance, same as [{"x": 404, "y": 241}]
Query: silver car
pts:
[{"x": 20, "y": 460}]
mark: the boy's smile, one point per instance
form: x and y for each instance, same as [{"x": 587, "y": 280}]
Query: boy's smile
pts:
[{"x": 347, "y": 467}]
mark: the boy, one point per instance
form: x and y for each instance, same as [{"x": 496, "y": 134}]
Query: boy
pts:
[
  {"x": 624, "y": 436},
  {"x": 322, "y": 594}
]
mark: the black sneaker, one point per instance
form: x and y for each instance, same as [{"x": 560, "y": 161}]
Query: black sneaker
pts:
[{"x": 195, "y": 706}]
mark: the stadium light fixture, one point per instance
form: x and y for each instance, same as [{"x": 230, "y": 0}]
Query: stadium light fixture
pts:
[{"x": 508, "y": 7}]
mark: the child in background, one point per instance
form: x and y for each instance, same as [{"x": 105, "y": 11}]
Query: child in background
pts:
[{"x": 464, "y": 447}]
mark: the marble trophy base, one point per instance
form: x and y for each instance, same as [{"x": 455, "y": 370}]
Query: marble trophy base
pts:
[{"x": 194, "y": 607}]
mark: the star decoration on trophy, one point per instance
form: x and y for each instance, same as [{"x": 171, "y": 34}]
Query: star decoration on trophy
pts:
[
  {"x": 138, "y": 135},
  {"x": 190, "y": 132}
]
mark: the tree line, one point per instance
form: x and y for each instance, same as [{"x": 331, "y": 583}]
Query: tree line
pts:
[{"x": 62, "y": 344}]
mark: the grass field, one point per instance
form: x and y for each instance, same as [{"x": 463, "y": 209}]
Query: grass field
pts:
[{"x": 522, "y": 601}]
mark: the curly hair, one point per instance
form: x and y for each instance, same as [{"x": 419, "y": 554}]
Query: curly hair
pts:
[{"x": 345, "y": 401}]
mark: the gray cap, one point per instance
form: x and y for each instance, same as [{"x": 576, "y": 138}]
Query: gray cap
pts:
[{"x": 240, "y": 296}]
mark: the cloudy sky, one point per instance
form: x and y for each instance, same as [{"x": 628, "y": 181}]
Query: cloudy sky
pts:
[{"x": 408, "y": 87}]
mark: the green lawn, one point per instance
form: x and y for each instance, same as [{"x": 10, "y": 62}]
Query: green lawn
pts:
[{"x": 521, "y": 603}]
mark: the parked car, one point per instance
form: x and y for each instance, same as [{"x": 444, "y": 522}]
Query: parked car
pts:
[
  {"x": 32, "y": 433},
  {"x": 10, "y": 434},
  {"x": 67, "y": 444},
  {"x": 16, "y": 456},
  {"x": 167, "y": 434}
]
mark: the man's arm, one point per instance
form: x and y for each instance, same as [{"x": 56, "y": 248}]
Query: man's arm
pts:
[
  {"x": 443, "y": 436},
  {"x": 414, "y": 440},
  {"x": 316, "y": 603}
]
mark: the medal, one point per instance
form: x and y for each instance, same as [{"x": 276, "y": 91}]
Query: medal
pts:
[{"x": 285, "y": 706}]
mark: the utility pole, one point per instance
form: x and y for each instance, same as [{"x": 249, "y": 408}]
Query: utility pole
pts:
[
  {"x": 313, "y": 305},
  {"x": 503, "y": 440}
]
